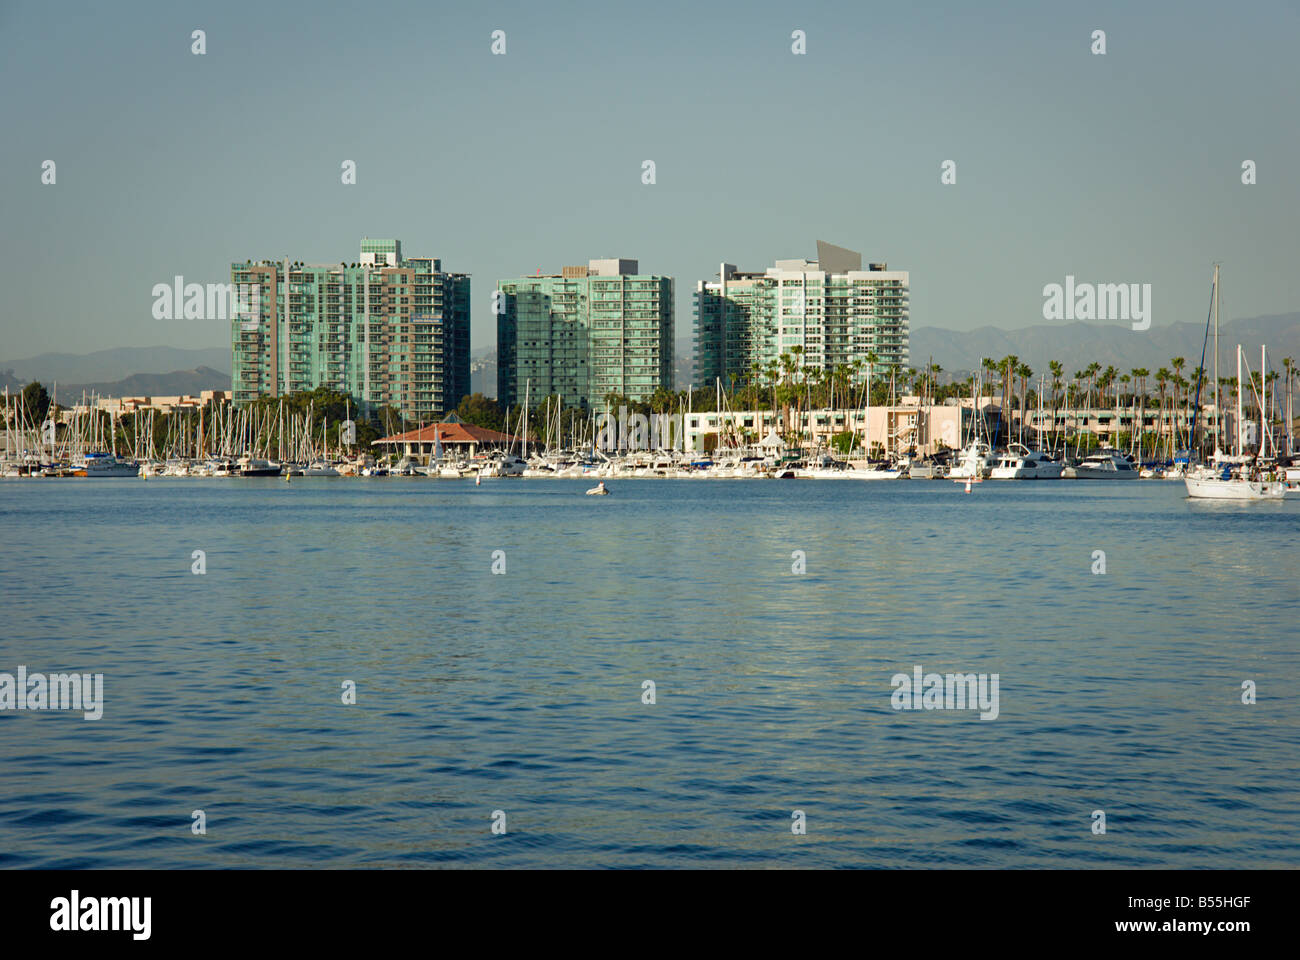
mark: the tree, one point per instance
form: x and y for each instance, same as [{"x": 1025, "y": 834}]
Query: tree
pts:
[
  {"x": 36, "y": 402},
  {"x": 1024, "y": 372},
  {"x": 481, "y": 411},
  {"x": 1057, "y": 371}
]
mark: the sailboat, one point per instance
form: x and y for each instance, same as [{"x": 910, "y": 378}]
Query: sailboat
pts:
[{"x": 1235, "y": 478}]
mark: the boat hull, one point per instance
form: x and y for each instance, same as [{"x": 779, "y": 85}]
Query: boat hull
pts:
[
  {"x": 1091, "y": 473},
  {"x": 1042, "y": 471},
  {"x": 1216, "y": 489}
]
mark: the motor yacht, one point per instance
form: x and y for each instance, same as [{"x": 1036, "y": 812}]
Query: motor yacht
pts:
[{"x": 1021, "y": 463}]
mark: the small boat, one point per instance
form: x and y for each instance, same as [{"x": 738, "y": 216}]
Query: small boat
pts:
[
  {"x": 258, "y": 467},
  {"x": 599, "y": 490},
  {"x": 975, "y": 462},
  {"x": 107, "y": 465},
  {"x": 503, "y": 465},
  {"x": 1106, "y": 465},
  {"x": 926, "y": 470},
  {"x": 1229, "y": 484},
  {"x": 1021, "y": 463},
  {"x": 882, "y": 470}
]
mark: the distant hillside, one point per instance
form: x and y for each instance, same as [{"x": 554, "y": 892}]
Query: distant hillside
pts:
[
  {"x": 107, "y": 366},
  {"x": 1078, "y": 344},
  {"x": 172, "y": 384},
  {"x": 150, "y": 385}
]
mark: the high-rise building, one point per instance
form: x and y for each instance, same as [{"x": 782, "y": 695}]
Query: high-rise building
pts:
[
  {"x": 389, "y": 330},
  {"x": 837, "y": 312},
  {"x": 584, "y": 333}
]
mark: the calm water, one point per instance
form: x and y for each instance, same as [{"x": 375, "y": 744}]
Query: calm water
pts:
[{"x": 522, "y": 692}]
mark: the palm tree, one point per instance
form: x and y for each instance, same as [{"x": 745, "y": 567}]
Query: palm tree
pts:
[
  {"x": 1009, "y": 364},
  {"x": 1122, "y": 389},
  {"x": 1024, "y": 373},
  {"x": 1057, "y": 370},
  {"x": 1177, "y": 380},
  {"x": 1162, "y": 382},
  {"x": 1288, "y": 365},
  {"x": 1140, "y": 375}
]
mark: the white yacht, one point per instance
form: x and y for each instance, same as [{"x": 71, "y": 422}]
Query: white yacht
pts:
[
  {"x": 874, "y": 471},
  {"x": 107, "y": 465},
  {"x": 320, "y": 468},
  {"x": 1105, "y": 465},
  {"x": 975, "y": 462},
  {"x": 503, "y": 465},
  {"x": 1021, "y": 463},
  {"x": 259, "y": 467}
]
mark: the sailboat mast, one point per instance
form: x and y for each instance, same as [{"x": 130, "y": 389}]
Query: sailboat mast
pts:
[
  {"x": 1218, "y": 410},
  {"x": 1239, "y": 398},
  {"x": 1263, "y": 398}
]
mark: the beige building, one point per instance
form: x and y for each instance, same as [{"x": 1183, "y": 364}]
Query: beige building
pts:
[
  {"x": 122, "y": 406},
  {"x": 897, "y": 428}
]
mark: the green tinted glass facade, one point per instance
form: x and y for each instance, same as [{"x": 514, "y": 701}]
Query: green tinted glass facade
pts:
[
  {"x": 389, "y": 331},
  {"x": 743, "y": 320},
  {"x": 584, "y": 337}
]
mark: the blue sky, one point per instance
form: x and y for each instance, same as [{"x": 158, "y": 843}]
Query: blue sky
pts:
[{"x": 1117, "y": 168}]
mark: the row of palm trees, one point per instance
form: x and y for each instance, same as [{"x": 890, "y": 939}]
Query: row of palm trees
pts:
[{"x": 787, "y": 382}]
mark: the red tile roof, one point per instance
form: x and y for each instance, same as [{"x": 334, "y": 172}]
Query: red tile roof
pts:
[{"x": 450, "y": 433}]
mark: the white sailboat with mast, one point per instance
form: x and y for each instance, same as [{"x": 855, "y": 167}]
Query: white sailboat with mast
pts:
[{"x": 1238, "y": 477}]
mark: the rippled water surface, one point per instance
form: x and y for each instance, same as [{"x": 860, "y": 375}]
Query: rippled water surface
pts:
[{"x": 522, "y": 692}]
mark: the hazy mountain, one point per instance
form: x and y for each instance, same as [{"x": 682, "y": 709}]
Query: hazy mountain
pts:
[
  {"x": 1078, "y": 344},
  {"x": 172, "y": 384},
  {"x": 150, "y": 385},
  {"x": 107, "y": 366}
]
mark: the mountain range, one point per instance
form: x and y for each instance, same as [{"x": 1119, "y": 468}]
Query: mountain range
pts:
[{"x": 106, "y": 366}]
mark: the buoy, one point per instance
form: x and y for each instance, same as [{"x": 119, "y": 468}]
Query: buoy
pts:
[
  {"x": 478, "y": 480},
  {"x": 968, "y": 486}
]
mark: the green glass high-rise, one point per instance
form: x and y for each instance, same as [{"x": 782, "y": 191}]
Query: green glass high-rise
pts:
[
  {"x": 389, "y": 330},
  {"x": 585, "y": 333},
  {"x": 837, "y": 313}
]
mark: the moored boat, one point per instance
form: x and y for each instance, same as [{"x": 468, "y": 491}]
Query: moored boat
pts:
[{"x": 1105, "y": 465}]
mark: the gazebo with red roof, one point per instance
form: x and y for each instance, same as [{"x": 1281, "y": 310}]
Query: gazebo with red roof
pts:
[{"x": 455, "y": 435}]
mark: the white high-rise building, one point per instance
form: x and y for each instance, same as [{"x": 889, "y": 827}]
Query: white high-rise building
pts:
[{"x": 834, "y": 310}]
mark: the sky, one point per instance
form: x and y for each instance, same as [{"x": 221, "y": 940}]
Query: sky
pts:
[{"x": 1115, "y": 168}]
